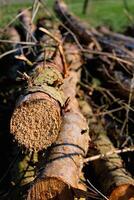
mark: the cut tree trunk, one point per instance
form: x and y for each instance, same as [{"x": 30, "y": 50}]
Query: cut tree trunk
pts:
[
  {"x": 36, "y": 121},
  {"x": 114, "y": 180},
  {"x": 61, "y": 175}
]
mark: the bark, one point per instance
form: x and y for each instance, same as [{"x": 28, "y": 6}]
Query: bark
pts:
[
  {"x": 70, "y": 21},
  {"x": 127, "y": 41},
  {"x": 114, "y": 180},
  {"x": 120, "y": 82},
  {"x": 36, "y": 120},
  {"x": 61, "y": 175},
  {"x": 24, "y": 170},
  {"x": 8, "y": 34},
  {"x": 9, "y": 64}
]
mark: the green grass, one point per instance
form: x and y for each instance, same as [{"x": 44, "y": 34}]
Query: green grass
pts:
[
  {"x": 8, "y": 12},
  {"x": 99, "y": 12},
  {"x": 104, "y": 12}
]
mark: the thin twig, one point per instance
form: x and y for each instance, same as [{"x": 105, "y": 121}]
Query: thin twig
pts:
[
  {"x": 18, "y": 42},
  {"x": 12, "y": 51},
  {"x": 102, "y": 156},
  {"x": 15, "y": 18},
  {"x": 100, "y": 193}
]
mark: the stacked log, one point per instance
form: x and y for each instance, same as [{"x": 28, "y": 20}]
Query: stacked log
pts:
[
  {"x": 67, "y": 153},
  {"x": 36, "y": 120},
  {"x": 63, "y": 68}
]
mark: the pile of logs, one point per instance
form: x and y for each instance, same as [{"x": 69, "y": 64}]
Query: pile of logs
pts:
[{"x": 67, "y": 96}]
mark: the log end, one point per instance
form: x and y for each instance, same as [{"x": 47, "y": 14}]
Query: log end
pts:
[
  {"x": 50, "y": 188},
  {"x": 36, "y": 122},
  {"x": 123, "y": 192}
]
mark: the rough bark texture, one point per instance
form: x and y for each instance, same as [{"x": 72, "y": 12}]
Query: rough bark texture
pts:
[
  {"x": 115, "y": 181},
  {"x": 118, "y": 80},
  {"x": 79, "y": 28},
  {"x": 36, "y": 121},
  {"x": 64, "y": 167}
]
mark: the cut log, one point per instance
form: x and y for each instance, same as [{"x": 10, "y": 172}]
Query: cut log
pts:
[
  {"x": 62, "y": 173},
  {"x": 56, "y": 180},
  {"x": 74, "y": 24},
  {"x": 121, "y": 83},
  {"x": 36, "y": 120},
  {"x": 127, "y": 41},
  {"x": 9, "y": 34},
  {"x": 114, "y": 180}
]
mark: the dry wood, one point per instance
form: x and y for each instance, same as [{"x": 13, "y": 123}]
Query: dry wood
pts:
[
  {"x": 62, "y": 172},
  {"x": 114, "y": 180},
  {"x": 9, "y": 34},
  {"x": 74, "y": 24},
  {"x": 124, "y": 40},
  {"x": 119, "y": 81},
  {"x": 36, "y": 120}
]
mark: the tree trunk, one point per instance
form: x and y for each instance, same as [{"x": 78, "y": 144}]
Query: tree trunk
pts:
[
  {"x": 64, "y": 166},
  {"x": 70, "y": 21},
  {"x": 36, "y": 120},
  {"x": 85, "y": 5},
  {"x": 114, "y": 180}
]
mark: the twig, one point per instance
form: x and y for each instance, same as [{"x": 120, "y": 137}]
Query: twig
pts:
[
  {"x": 108, "y": 111},
  {"x": 16, "y": 17},
  {"x": 12, "y": 51},
  {"x": 108, "y": 55},
  {"x": 34, "y": 12},
  {"x": 102, "y": 156},
  {"x": 127, "y": 109},
  {"x": 18, "y": 42},
  {"x": 100, "y": 193}
]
